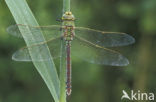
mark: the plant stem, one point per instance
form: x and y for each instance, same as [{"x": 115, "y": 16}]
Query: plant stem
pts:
[
  {"x": 63, "y": 73},
  {"x": 66, "y": 7}
]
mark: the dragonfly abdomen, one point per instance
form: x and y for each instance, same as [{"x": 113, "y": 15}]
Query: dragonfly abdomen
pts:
[{"x": 68, "y": 66}]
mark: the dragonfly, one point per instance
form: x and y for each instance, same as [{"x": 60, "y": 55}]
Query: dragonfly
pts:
[{"x": 88, "y": 44}]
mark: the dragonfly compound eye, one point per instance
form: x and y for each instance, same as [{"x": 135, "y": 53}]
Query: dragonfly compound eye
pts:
[
  {"x": 68, "y": 13},
  {"x": 68, "y": 16}
]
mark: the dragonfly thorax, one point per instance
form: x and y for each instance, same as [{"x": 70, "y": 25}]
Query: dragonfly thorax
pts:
[
  {"x": 68, "y": 23},
  {"x": 68, "y": 33}
]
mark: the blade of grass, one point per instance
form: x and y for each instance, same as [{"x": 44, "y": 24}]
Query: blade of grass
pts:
[
  {"x": 23, "y": 15},
  {"x": 63, "y": 73}
]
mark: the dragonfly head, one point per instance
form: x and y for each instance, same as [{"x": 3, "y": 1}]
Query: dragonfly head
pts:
[{"x": 68, "y": 16}]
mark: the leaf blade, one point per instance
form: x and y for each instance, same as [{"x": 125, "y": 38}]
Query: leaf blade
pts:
[{"x": 23, "y": 15}]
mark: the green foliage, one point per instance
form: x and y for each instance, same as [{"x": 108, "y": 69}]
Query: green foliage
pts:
[{"x": 23, "y": 15}]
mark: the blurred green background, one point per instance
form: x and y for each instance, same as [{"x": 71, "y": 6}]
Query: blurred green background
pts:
[{"x": 20, "y": 82}]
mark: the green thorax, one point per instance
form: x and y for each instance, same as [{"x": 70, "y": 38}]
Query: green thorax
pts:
[{"x": 68, "y": 26}]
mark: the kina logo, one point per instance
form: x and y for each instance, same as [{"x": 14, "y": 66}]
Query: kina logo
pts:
[{"x": 137, "y": 96}]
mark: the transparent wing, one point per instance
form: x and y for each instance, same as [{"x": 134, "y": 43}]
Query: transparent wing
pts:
[
  {"x": 51, "y": 31},
  {"x": 54, "y": 47},
  {"x": 105, "y": 39},
  {"x": 96, "y": 54}
]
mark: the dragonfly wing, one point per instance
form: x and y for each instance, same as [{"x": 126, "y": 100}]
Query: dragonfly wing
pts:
[
  {"x": 14, "y": 30},
  {"x": 53, "y": 45},
  {"x": 105, "y": 39},
  {"x": 51, "y": 31},
  {"x": 96, "y": 54}
]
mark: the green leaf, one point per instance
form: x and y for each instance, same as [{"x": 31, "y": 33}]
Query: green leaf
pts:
[{"x": 23, "y": 15}]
